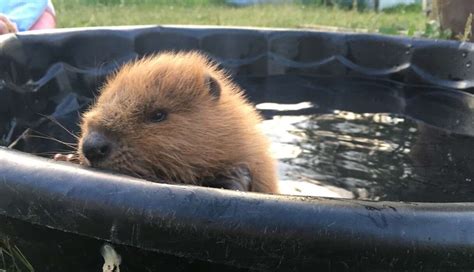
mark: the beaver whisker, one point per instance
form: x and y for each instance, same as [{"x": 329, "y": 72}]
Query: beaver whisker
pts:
[
  {"x": 47, "y": 153},
  {"x": 132, "y": 171},
  {"x": 173, "y": 159},
  {"x": 60, "y": 125},
  {"x": 122, "y": 162},
  {"x": 71, "y": 145}
]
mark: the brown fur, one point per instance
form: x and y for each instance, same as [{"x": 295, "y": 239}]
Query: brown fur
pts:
[{"x": 202, "y": 137}]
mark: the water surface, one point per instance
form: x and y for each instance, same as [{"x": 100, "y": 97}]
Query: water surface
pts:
[{"x": 377, "y": 156}]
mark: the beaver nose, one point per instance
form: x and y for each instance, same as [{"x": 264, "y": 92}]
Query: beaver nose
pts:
[{"x": 96, "y": 147}]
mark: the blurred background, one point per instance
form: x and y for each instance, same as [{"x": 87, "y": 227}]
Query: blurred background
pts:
[{"x": 445, "y": 19}]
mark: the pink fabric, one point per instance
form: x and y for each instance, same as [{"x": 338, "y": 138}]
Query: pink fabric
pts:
[{"x": 47, "y": 20}]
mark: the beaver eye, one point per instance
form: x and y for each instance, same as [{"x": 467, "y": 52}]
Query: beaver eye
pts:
[{"x": 158, "y": 116}]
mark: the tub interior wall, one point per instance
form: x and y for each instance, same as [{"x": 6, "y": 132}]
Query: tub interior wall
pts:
[{"x": 287, "y": 75}]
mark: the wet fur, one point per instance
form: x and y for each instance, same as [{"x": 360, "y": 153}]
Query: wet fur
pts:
[{"x": 202, "y": 137}]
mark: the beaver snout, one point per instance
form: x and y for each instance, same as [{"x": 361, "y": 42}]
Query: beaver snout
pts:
[{"x": 96, "y": 147}]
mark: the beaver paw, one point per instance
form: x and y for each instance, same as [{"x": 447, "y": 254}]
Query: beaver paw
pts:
[
  {"x": 238, "y": 179},
  {"x": 67, "y": 158}
]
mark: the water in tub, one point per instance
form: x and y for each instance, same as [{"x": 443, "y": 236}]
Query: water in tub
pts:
[{"x": 378, "y": 156}]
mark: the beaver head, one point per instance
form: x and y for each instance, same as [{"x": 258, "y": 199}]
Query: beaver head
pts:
[{"x": 170, "y": 117}]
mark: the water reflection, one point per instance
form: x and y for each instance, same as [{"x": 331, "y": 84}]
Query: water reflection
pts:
[{"x": 376, "y": 156}]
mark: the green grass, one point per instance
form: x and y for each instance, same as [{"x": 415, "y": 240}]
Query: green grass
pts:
[{"x": 85, "y": 13}]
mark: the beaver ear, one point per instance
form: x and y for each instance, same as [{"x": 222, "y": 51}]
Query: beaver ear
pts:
[{"x": 213, "y": 86}]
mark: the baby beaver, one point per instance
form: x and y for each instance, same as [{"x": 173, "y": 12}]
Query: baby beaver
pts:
[{"x": 177, "y": 118}]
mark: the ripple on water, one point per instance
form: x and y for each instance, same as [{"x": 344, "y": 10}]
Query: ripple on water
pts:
[{"x": 377, "y": 156}]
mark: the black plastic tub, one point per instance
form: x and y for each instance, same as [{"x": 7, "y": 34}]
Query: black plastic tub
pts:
[{"x": 60, "y": 215}]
